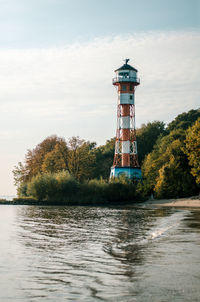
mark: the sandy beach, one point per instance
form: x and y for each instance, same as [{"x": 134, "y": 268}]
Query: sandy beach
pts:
[{"x": 193, "y": 202}]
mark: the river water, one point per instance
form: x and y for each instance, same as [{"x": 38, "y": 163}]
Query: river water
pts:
[{"x": 99, "y": 254}]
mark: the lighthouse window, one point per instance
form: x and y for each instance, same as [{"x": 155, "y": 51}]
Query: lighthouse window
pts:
[
  {"x": 124, "y": 87},
  {"x": 131, "y": 97},
  {"x": 124, "y": 74},
  {"x": 131, "y": 87}
]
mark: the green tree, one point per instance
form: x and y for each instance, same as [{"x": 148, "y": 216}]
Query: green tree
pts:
[
  {"x": 37, "y": 160},
  {"x": 19, "y": 173},
  {"x": 42, "y": 187},
  {"x": 147, "y": 135},
  {"x": 67, "y": 185},
  {"x": 22, "y": 189},
  {"x": 192, "y": 149},
  {"x": 81, "y": 158},
  {"x": 104, "y": 159},
  {"x": 184, "y": 120},
  {"x": 174, "y": 178},
  {"x": 57, "y": 159},
  {"x": 34, "y": 158},
  {"x": 166, "y": 170}
]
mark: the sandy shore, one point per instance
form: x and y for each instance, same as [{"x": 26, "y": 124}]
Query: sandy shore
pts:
[{"x": 193, "y": 202}]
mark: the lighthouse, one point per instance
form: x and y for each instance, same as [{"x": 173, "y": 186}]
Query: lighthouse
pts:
[{"x": 126, "y": 156}]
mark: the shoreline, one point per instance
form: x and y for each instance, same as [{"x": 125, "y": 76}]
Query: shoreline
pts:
[{"x": 187, "y": 202}]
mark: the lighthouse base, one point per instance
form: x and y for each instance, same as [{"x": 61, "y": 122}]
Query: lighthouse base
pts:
[{"x": 129, "y": 172}]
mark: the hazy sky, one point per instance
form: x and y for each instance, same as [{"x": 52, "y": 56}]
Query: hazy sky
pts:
[{"x": 57, "y": 60}]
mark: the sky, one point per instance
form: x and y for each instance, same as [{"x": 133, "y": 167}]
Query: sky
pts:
[{"x": 57, "y": 61}]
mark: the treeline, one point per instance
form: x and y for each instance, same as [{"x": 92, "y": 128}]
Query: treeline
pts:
[
  {"x": 62, "y": 170},
  {"x": 172, "y": 168}
]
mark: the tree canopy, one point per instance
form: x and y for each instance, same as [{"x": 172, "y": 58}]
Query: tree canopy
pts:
[
  {"x": 184, "y": 120},
  {"x": 147, "y": 135},
  {"x": 192, "y": 149},
  {"x": 47, "y": 156}
]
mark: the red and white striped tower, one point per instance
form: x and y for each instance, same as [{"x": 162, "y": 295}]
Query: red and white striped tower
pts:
[{"x": 126, "y": 157}]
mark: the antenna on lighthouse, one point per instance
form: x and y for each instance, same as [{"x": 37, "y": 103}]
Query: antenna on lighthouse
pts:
[{"x": 126, "y": 60}]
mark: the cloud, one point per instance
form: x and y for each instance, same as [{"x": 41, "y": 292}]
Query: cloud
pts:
[
  {"x": 80, "y": 75},
  {"x": 68, "y": 90}
]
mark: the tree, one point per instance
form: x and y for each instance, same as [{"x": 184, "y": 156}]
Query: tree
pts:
[
  {"x": 42, "y": 187},
  {"x": 166, "y": 170},
  {"x": 104, "y": 159},
  {"x": 81, "y": 158},
  {"x": 19, "y": 173},
  {"x": 34, "y": 158},
  {"x": 174, "y": 179},
  {"x": 192, "y": 149},
  {"x": 184, "y": 120},
  {"x": 37, "y": 160},
  {"x": 147, "y": 135},
  {"x": 57, "y": 159}
]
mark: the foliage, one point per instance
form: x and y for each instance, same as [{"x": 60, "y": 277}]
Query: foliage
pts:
[
  {"x": 192, "y": 149},
  {"x": 41, "y": 159},
  {"x": 25, "y": 200},
  {"x": 62, "y": 187},
  {"x": 166, "y": 170},
  {"x": 81, "y": 158},
  {"x": 184, "y": 120},
  {"x": 19, "y": 174},
  {"x": 53, "y": 155},
  {"x": 52, "y": 186},
  {"x": 57, "y": 159},
  {"x": 67, "y": 185},
  {"x": 121, "y": 189},
  {"x": 147, "y": 135},
  {"x": 174, "y": 179},
  {"x": 22, "y": 189},
  {"x": 43, "y": 187},
  {"x": 79, "y": 170},
  {"x": 104, "y": 159}
]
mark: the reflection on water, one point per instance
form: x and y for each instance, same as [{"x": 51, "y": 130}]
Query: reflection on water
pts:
[
  {"x": 193, "y": 220},
  {"x": 92, "y": 254}
]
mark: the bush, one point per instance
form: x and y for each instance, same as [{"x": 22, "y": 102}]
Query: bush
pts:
[
  {"x": 121, "y": 189},
  {"x": 24, "y": 200},
  {"x": 93, "y": 191},
  {"x": 22, "y": 190},
  {"x": 67, "y": 186},
  {"x": 43, "y": 187},
  {"x": 61, "y": 187}
]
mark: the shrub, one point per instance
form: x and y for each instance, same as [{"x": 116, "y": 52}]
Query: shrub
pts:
[
  {"x": 43, "y": 187},
  {"x": 94, "y": 190},
  {"x": 22, "y": 190},
  {"x": 121, "y": 189},
  {"x": 64, "y": 188},
  {"x": 67, "y": 186}
]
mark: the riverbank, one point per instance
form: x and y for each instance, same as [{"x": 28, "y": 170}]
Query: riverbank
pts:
[
  {"x": 188, "y": 202},
  {"x": 82, "y": 202}
]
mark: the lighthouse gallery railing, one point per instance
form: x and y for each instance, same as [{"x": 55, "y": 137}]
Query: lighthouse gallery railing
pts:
[{"x": 126, "y": 79}]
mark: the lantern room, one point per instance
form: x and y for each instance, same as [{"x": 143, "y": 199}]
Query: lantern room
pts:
[{"x": 126, "y": 73}]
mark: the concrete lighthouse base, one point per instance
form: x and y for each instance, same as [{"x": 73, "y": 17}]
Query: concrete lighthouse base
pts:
[{"x": 129, "y": 172}]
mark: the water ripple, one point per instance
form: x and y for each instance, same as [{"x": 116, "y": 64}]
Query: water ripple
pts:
[{"x": 98, "y": 254}]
